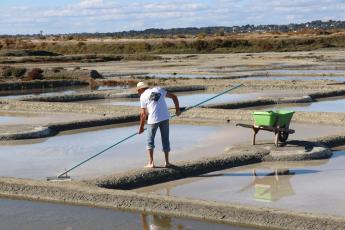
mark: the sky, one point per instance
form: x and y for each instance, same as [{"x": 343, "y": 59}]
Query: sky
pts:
[{"x": 76, "y": 16}]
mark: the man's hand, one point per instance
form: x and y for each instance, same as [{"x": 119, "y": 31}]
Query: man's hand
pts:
[
  {"x": 142, "y": 120},
  {"x": 176, "y": 102},
  {"x": 141, "y": 130}
]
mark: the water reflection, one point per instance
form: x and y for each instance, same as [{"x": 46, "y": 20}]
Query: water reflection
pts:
[
  {"x": 295, "y": 78},
  {"x": 57, "y": 91},
  {"x": 157, "y": 222},
  {"x": 28, "y": 215},
  {"x": 45, "y": 158},
  {"x": 174, "y": 75},
  {"x": 10, "y": 119},
  {"x": 16, "y": 94},
  {"x": 307, "y": 186},
  {"x": 189, "y": 99},
  {"x": 104, "y": 87},
  {"x": 272, "y": 186},
  {"x": 307, "y": 71}
]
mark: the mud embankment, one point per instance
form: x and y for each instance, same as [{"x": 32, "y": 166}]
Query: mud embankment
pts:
[
  {"x": 93, "y": 123},
  {"x": 332, "y": 141},
  {"x": 326, "y": 94},
  {"x": 41, "y": 84},
  {"x": 234, "y": 116},
  {"x": 144, "y": 177},
  {"x": 234, "y": 157},
  {"x": 66, "y": 98},
  {"x": 260, "y": 102},
  {"x": 57, "y": 107},
  {"x": 80, "y": 194}
]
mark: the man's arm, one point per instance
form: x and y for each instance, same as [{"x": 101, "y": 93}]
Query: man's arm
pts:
[
  {"x": 176, "y": 102},
  {"x": 143, "y": 116}
]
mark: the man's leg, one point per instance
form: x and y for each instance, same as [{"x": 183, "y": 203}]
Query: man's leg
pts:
[
  {"x": 151, "y": 133},
  {"x": 164, "y": 129},
  {"x": 167, "y": 163},
  {"x": 151, "y": 163}
]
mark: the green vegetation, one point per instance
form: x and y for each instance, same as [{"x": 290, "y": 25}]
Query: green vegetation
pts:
[
  {"x": 12, "y": 72},
  {"x": 147, "y": 49},
  {"x": 23, "y": 53},
  {"x": 115, "y": 51},
  {"x": 18, "y": 72}
]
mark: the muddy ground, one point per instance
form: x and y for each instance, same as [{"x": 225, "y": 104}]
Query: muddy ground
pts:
[{"x": 228, "y": 70}]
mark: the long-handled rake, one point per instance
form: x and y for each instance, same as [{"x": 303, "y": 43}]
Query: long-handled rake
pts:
[{"x": 63, "y": 176}]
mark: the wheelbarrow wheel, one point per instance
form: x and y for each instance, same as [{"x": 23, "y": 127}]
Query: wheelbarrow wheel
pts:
[{"x": 283, "y": 136}]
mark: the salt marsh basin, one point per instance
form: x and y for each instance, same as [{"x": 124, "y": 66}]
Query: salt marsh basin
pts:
[
  {"x": 186, "y": 99},
  {"x": 40, "y": 158},
  {"x": 19, "y": 214},
  {"x": 314, "y": 186}
]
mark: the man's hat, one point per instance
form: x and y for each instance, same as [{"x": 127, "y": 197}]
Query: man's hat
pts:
[{"x": 142, "y": 85}]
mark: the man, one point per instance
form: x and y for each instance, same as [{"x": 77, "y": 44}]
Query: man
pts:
[{"x": 153, "y": 105}]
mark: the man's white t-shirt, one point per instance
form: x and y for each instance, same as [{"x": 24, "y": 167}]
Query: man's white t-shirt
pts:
[{"x": 153, "y": 99}]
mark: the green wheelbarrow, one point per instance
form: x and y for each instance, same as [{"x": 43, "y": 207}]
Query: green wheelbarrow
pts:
[{"x": 277, "y": 122}]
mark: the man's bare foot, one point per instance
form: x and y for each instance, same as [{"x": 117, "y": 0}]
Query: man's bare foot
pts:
[
  {"x": 149, "y": 166},
  {"x": 168, "y": 165}
]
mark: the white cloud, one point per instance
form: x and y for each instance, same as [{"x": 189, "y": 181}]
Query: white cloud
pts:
[
  {"x": 90, "y": 3},
  {"x": 118, "y": 15}
]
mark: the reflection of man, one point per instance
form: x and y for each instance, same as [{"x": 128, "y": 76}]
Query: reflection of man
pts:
[
  {"x": 153, "y": 105},
  {"x": 157, "y": 222}
]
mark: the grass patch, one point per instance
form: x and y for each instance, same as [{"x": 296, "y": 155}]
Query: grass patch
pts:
[
  {"x": 8, "y": 72},
  {"x": 148, "y": 49},
  {"x": 198, "y": 45}
]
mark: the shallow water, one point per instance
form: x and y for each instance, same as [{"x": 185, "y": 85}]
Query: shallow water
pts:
[
  {"x": 19, "y": 118},
  {"x": 331, "y": 106},
  {"x": 311, "y": 186},
  {"x": 161, "y": 75},
  {"x": 41, "y": 119},
  {"x": 47, "y": 157},
  {"x": 10, "y": 119},
  {"x": 295, "y": 78},
  {"x": 116, "y": 88},
  {"x": 307, "y": 71},
  {"x": 42, "y": 92},
  {"x": 189, "y": 99},
  {"x": 20, "y": 215},
  {"x": 41, "y": 158},
  {"x": 56, "y": 91}
]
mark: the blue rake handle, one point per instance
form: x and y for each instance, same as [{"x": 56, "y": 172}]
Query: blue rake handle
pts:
[{"x": 64, "y": 174}]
